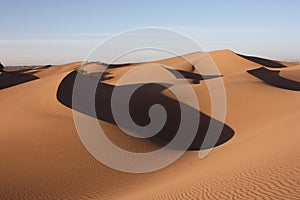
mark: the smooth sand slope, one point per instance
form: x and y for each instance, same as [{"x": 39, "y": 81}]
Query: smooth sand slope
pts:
[{"x": 257, "y": 156}]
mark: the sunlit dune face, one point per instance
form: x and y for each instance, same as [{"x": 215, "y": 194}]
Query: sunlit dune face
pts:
[{"x": 293, "y": 74}]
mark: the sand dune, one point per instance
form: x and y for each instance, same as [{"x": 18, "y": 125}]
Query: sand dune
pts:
[
  {"x": 42, "y": 156},
  {"x": 140, "y": 108},
  {"x": 9, "y": 79},
  {"x": 292, "y": 73},
  {"x": 273, "y": 78},
  {"x": 264, "y": 61}
]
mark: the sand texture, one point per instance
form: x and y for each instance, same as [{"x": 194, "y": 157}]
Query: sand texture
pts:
[{"x": 256, "y": 157}]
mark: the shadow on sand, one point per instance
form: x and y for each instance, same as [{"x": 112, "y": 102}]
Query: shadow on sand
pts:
[
  {"x": 9, "y": 79},
  {"x": 273, "y": 78},
  {"x": 263, "y": 61},
  {"x": 12, "y": 76},
  {"x": 141, "y": 100},
  {"x": 179, "y": 74}
]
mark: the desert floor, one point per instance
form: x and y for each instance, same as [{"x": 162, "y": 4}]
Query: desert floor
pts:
[{"x": 42, "y": 156}]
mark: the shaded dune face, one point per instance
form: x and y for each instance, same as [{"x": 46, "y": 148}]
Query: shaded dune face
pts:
[
  {"x": 14, "y": 76},
  {"x": 263, "y": 61},
  {"x": 190, "y": 75},
  {"x": 9, "y": 79},
  {"x": 273, "y": 78},
  {"x": 141, "y": 101}
]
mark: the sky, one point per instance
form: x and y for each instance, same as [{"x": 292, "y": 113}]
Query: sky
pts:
[{"x": 56, "y": 32}]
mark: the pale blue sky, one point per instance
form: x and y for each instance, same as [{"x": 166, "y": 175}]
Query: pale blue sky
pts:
[{"x": 52, "y": 32}]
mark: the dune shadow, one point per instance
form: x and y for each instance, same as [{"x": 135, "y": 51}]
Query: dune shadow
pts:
[
  {"x": 117, "y": 65},
  {"x": 141, "y": 101},
  {"x": 18, "y": 75},
  {"x": 9, "y": 79},
  {"x": 190, "y": 75},
  {"x": 273, "y": 78},
  {"x": 263, "y": 61}
]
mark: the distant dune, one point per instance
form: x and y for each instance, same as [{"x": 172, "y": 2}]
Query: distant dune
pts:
[
  {"x": 256, "y": 157},
  {"x": 273, "y": 78}
]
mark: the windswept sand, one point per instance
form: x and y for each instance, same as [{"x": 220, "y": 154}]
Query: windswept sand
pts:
[{"x": 42, "y": 156}]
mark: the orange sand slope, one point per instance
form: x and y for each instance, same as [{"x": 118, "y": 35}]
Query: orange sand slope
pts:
[{"x": 42, "y": 156}]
